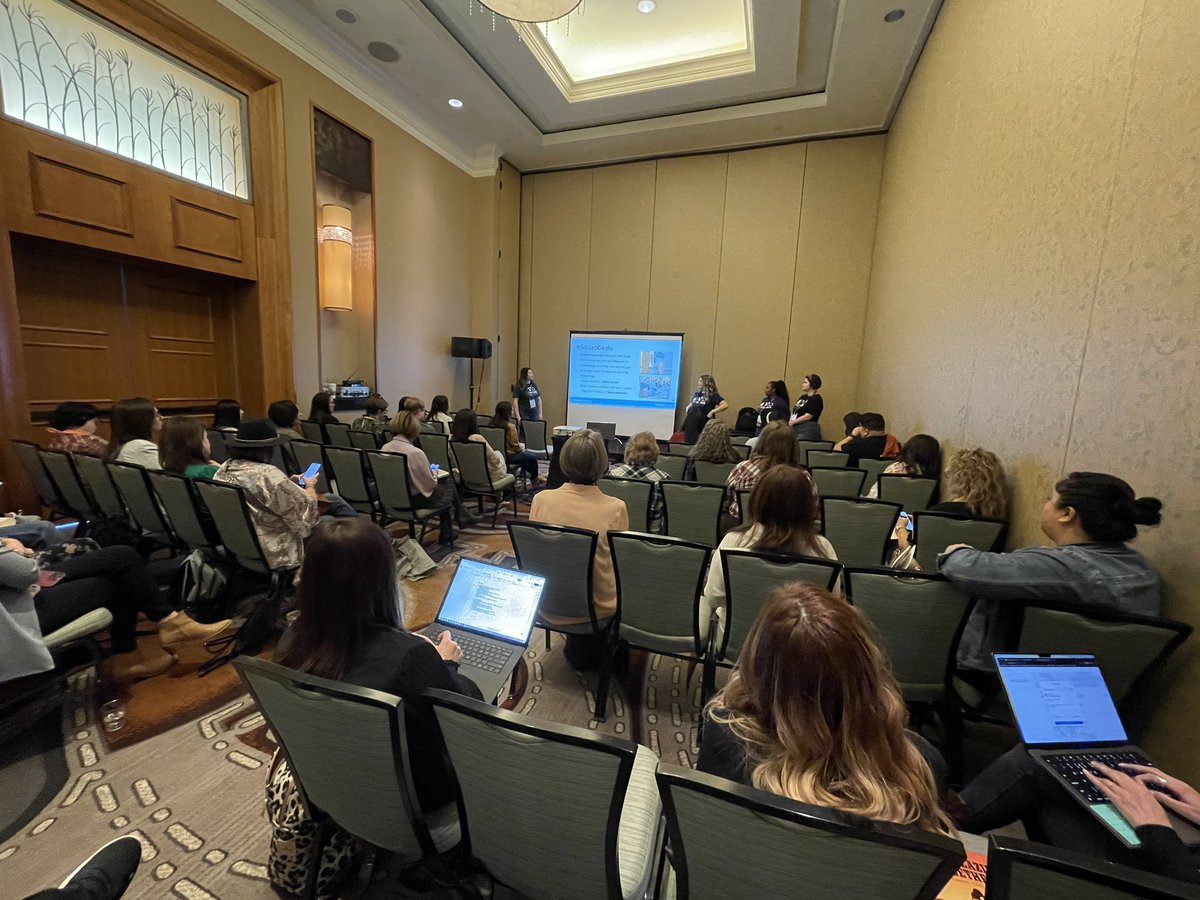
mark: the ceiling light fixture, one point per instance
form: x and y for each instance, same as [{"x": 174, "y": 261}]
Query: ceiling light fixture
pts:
[
  {"x": 531, "y": 10},
  {"x": 455, "y": 102},
  {"x": 646, "y": 6},
  {"x": 894, "y": 16}
]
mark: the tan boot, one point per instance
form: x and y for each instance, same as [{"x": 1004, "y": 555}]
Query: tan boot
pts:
[
  {"x": 182, "y": 628},
  {"x": 139, "y": 663}
]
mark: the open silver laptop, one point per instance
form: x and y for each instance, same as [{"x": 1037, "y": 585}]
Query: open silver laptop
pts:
[
  {"x": 1068, "y": 720},
  {"x": 606, "y": 430},
  {"x": 489, "y": 612}
]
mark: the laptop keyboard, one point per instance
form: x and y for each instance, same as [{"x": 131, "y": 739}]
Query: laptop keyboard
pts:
[
  {"x": 486, "y": 655},
  {"x": 1072, "y": 766}
]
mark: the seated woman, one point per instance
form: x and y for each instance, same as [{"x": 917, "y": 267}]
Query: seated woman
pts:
[
  {"x": 439, "y": 410},
  {"x": 361, "y": 639},
  {"x": 428, "y": 491},
  {"x": 580, "y": 504},
  {"x": 714, "y": 445},
  {"x": 973, "y": 485},
  {"x": 465, "y": 427},
  {"x": 515, "y": 452},
  {"x": 321, "y": 409},
  {"x": 783, "y": 519},
  {"x": 283, "y": 513},
  {"x": 134, "y": 425},
  {"x": 920, "y": 455},
  {"x": 72, "y": 428},
  {"x": 776, "y": 446},
  {"x": 641, "y": 458},
  {"x": 1088, "y": 518},
  {"x": 113, "y": 578},
  {"x": 184, "y": 449},
  {"x": 227, "y": 416},
  {"x": 813, "y": 713}
]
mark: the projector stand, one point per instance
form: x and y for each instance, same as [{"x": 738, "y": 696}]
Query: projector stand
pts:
[{"x": 471, "y": 363}]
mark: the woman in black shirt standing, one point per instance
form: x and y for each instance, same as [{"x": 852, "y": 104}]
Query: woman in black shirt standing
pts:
[
  {"x": 706, "y": 403},
  {"x": 528, "y": 397},
  {"x": 776, "y": 398},
  {"x": 807, "y": 412}
]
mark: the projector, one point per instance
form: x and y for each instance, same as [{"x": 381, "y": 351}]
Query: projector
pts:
[{"x": 354, "y": 389}]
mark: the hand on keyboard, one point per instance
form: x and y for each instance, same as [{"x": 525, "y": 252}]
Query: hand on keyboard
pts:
[
  {"x": 1131, "y": 798},
  {"x": 1173, "y": 793},
  {"x": 447, "y": 649}
]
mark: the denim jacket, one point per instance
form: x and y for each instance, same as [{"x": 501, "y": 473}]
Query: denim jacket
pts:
[{"x": 1093, "y": 574}]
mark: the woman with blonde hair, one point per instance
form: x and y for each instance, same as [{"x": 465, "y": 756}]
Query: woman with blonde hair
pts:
[
  {"x": 813, "y": 713},
  {"x": 641, "y": 462},
  {"x": 776, "y": 446}
]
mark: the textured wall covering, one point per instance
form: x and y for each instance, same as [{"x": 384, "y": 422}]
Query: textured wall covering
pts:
[
  {"x": 1035, "y": 285},
  {"x": 762, "y": 257}
]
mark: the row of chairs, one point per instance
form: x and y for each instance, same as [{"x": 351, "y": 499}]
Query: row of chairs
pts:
[
  {"x": 557, "y": 811},
  {"x": 919, "y": 616},
  {"x": 859, "y": 529}
]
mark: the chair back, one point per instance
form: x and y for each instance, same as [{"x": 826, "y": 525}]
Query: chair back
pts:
[
  {"x": 231, "y": 517},
  {"x": 495, "y": 437},
  {"x": 179, "y": 502},
  {"x": 803, "y": 446},
  {"x": 312, "y": 431},
  {"x": 721, "y": 832},
  {"x": 1023, "y": 870},
  {"x": 216, "y": 444},
  {"x": 100, "y": 485},
  {"x": 679, "y": 449},
  {"x": 304, "y": 454},
  {"x": 837, "y": 481},
  {"x": 27, "y": 452},
  {"x": 564, "y": 557},
  {"x": 70, "y": 486},
  {"x": 712, "y": 472},
  {"x": 364, "y": 440},
  {"x": 693, "y": 511},
  {"x": 437, "y": 449},
  {"x": 912, "y": 492},
  {"x": 337, "y": 434},
  {"x": 471, "y": 457},
  {"x": 392, "y": 483},
  {"x": 751, "y": 577},
  {"x": 859, "y": 529},
  {"x": 874, "y": 468},
  {"x": 347, "y": 469},
  {"x": 659, "y": 580},
  {"x": 1125, "y": 645},
  {"x": 743, "y": 499},
  {"x": 139, "y": 499},
  {"x": 363, "y": 784},
  {"x": 743, "y": 450},
  {"x": 830, "y": 459},
  {"x": 933, "y": 532},
  {"x": 675, "y": 466},
  {"x": 919, "y": 617},
  {"x": 535, "y": 436},
  {"x": 512, "y": 769},
  {"x": 637, "y": 493}
]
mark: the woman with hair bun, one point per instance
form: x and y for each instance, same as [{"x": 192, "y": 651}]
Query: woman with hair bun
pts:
[{"x": 1088, "y": 518}]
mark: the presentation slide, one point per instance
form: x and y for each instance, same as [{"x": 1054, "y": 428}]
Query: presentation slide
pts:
[{"x": 628, "y": 378}]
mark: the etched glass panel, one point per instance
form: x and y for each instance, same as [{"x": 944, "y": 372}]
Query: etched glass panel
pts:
[{"x": 67, "y": 71}]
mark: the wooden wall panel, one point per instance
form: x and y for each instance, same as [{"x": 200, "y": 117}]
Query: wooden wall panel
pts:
[
  {"x": 689, "y": 211},
  {"x": 758, "y": 257},
  {"x": 204, "y": 230},
  {"x": 562, "y": 204},
  {"x": 622, "y": 236},
  {"x": 71, "y": 194}
]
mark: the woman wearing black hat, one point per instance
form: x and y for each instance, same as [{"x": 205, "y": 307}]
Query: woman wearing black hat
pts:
[
  {"x": 72, "y": 428},
  {"x": 283, "y": 512}
]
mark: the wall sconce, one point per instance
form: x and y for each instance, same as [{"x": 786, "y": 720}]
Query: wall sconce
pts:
[{"x": 334, "y": 260}]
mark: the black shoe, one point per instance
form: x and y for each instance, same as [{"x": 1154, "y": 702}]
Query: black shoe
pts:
[
  {"x": 106, "y": 873},
  {"x": 466, "y": 518}
]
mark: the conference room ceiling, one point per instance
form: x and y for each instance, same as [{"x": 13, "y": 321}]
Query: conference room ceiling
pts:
[{"x": 610, "y": 83}]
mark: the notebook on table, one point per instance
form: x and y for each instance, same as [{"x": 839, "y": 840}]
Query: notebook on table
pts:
[
  {"x": 489, "y": 612},
  {"x": 1068, "y": 721}
]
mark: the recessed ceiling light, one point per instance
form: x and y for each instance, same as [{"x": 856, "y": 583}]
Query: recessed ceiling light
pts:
[
  {"x": 894, "y": 16},
  {"x": 646, "y": 6},
  {"x": 455, "y": 102},
  {"x": 348, "y": 16},
  {"x": 383, "y": 52}
]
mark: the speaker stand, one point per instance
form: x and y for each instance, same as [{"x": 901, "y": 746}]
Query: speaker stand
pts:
[{"x": 471, "y": 363}]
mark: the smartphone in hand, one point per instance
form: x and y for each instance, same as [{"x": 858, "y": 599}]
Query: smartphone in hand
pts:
[{"x": 310, "y": 474}]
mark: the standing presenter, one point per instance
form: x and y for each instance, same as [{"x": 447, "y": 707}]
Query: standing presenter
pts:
[
  {"x": 527, "y": 396},
  {"x": 706, "y": 403}
]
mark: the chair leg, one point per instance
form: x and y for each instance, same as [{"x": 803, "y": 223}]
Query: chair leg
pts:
[
  {"x": 547, "y": 640},
  {"x": 606, "y": 662},
  {"x": 952, "y": 739}
]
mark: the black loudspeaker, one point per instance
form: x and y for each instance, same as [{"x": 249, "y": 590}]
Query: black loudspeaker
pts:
[{"x": 472, "y": 348}]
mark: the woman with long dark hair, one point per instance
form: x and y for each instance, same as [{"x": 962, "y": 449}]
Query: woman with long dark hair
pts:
[
  {"x": 362, "y": 640},
  {"x": 321, "y": 409},
  {"x": 134, "y": 425},
  {"x": 184, "y": 448},
  {"x": 527, "y": 395},
  {"x": 227, "y": 415},
  {"x": 465, "y": 427},
  {"x": 813, "y": 713},
  {"x": 514, "y": 450},
  {"x": 775, "y": 399},
  {"x": 920, "y": 455}
]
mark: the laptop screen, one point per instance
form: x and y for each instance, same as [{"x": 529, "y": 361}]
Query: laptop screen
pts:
[
  {"x": 606, "y": 430},
  {"x": 492, "y": 600},
  {"x": 1059, "y": 699}
]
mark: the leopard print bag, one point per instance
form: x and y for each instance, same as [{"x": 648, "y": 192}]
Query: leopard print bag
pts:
[{"x": 292, "y": 840}]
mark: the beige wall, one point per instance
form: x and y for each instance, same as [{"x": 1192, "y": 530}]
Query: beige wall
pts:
[
  {"x": 433, "y": 224},
  {"x": 761, "y": 257},
  {"x": 1036, "y": 286}
]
